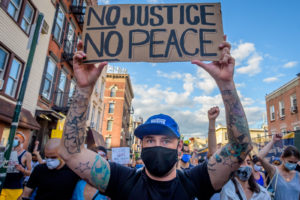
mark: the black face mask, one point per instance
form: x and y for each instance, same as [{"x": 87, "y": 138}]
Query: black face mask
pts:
[{"x": 159, "y": 160}]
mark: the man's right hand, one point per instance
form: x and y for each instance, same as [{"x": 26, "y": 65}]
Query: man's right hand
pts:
[
  {"x": 213, "y": 113},
  {"x": 85, "y": 74}
]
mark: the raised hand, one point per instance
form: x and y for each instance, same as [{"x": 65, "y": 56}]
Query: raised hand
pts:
[
  {"x": 213, "y": 113},
  {"x": 86, "y": 74},
  {"x": 277, "y": 137},
  {"x": 222, "y": 70}
]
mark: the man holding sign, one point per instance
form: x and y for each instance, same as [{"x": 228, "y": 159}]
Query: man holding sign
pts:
[{"x": 160, "y": 143}]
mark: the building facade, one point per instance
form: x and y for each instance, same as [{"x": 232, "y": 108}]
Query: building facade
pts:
[
  {"x": 283, "y": 107},
  {"x": 58, "y": 83},
  {"x": 16, "y": 26},
  {"x": 118, "y": 96}
]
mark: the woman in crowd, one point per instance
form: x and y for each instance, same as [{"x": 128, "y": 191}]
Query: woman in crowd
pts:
[
  {"x": 243, "y": 186},
  {"x": 285, "y": 181},
  {"x": 257, "y": 172}
]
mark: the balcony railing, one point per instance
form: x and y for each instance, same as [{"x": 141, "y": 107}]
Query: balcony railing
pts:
[{"x": 79, "y": 12}]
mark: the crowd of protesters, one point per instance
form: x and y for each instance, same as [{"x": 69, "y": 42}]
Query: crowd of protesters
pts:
[{"x": 166, "y": 168}]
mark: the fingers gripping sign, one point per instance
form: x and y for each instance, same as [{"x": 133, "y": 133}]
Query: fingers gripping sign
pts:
[{"x": 86, "y": 74}]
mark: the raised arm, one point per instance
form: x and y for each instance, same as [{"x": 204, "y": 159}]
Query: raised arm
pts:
[
  {"x": 87, "y": 164},
  {"x": 263, "y": 153},
  {"x": 212, "y": 115},
  {"x": 228, "y": 159}
]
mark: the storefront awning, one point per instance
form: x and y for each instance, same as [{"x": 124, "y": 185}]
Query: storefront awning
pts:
[
  {"x": 49, "y": 114},
  {"x": 26, "y": 118}
]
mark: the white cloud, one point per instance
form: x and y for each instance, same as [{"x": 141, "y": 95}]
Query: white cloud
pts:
[
  {"x": 242, "y": 52},
  {"x": 247, "y": 58},
  {"x": 103, "y": 2},
  {"x": 152, "y": 1},
  {"x": 172, "y": 75},
  {"x": 205, "y": 82},
  {"x": 270, "y": 79},
  {"x": 290, "y": 64},
  {"x": 252, "y": 67},
  {"x": 240, "y": 85}
]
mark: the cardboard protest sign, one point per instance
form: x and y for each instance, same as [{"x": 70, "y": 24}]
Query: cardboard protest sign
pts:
[
  {"x": 121, "y": 155},
  {"x": 152, "y": 32}
]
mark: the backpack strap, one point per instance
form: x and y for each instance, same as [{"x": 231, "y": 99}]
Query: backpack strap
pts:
[
  {"x": 188, "y": 186},
  {"x": 130, "y": 183},
  {"x": 236, "y": 188}
]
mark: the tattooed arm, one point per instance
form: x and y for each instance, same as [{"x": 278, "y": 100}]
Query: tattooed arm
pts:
[
  {"x": 85, "y": 163},
  {"x": 212, "y": 114},
  {"x": 228, "y": 159}
]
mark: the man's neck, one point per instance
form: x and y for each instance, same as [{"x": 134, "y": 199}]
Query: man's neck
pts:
[{"x": 170, "y": 176}]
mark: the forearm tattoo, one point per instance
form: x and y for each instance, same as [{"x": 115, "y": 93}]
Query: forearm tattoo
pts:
[
  {"x": 100, "y": 173},
  {"x": 238, "y": 132},
  {"x": 74, "y": 133}
]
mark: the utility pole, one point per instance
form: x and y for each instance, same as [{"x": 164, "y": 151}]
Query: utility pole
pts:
[{"x": 16, "y": 116}]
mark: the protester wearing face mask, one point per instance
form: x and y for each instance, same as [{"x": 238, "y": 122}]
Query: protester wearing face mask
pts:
[
  {"x": 185, "y": 160},
  {"x": 257, "y": 171},
  {"x": 243, "y": 186},
  {"x": 53, "y": 179},
  {"x": 13, "y": 185},
  {"x": 160, "y": 137},
  {"x": 285, "y": 180}
]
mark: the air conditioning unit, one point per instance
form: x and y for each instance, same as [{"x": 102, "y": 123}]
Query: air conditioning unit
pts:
[
  {"x": 45, "y": 27},
  {"x": 294, "y": 109},
  {"x": 1, "y": 83}
]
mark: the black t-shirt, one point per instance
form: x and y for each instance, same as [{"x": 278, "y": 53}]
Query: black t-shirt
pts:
[
  {"x": 52, "y": 184},
  {"x": 198, "y": 183}
]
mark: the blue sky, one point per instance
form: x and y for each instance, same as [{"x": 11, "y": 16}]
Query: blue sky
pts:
[{"x": 265, "y": 36}]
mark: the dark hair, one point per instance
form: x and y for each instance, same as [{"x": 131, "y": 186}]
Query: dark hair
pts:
[
  {"x": 291, "y": 151},
  {"x": 101, "y": 148}
]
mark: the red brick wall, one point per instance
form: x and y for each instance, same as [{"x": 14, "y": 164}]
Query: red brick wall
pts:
[{"x": 291, "y": 119}]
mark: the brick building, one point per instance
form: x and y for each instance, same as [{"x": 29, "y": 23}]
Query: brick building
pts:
[
  {"x": 283, "y": 107},
  {"x": 117, "y": 99},
  {"x": 58, "y": 84},
  {"x": 16, "y": 25}
]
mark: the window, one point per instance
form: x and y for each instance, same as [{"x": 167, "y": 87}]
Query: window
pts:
[
  {"x": 98, "y": 121},
  {"x": 109, "y": 125},
  {"x": 3, "y": 63},
  {"x": 281, "y": 109},
  {"x": 61, "y": 88},
  {"x": 92, "y": 118},
  {"x": 272, "y": 113},
  {"x": 22, "y": 12},
  {"x": 102, "y": 90},
  {"x": 69, "y": 40},
  {"x": 13, "y": 78},
  {"x": 71, "y": 91},
  {"x": 27, "y": 18},
  {"x": 113, "y": 91},
  {"x": 58, "y": 25},
  {"x": 293, "y": 103},
  {"x": 111, "y": 108},
  {"x": 49, "y": 78},
  {"x": 14, "y": 8}
]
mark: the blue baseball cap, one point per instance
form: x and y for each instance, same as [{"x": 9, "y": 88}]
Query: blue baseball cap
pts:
[{"x": 158, "y": 125}]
